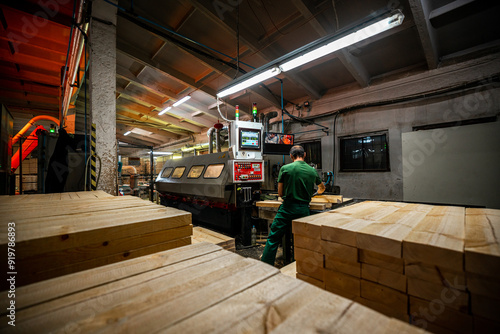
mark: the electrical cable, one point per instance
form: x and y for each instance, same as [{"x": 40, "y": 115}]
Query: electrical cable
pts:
[
  {"x": 237, "y": 42},
  {"x": 220, "y": 113},
  {"x": 270, "y": 18}
]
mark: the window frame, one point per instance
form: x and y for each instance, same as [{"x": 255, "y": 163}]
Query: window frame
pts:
[
  {"x": 169, "y": 174},
  {"x": 342, "y": 167},
  {"x": 208, "y": 167},
  {"x": 190, "y": 169},
  {"x": 172, "y": 176}
]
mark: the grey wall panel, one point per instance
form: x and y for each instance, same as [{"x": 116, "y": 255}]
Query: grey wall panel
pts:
[{"x": 458, "y": 165}]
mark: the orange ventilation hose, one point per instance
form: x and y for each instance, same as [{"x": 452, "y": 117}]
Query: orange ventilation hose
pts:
[{"x": 31, "y": 123}]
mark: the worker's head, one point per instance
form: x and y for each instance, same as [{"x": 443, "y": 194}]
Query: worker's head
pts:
[{"x": 297, "y": 152}]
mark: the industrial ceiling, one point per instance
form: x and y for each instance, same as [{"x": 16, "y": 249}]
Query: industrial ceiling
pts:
[{"x": 169, "y": 49}]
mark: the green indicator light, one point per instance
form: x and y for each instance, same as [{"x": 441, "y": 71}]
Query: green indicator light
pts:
[{"x": 52, "y": 130}]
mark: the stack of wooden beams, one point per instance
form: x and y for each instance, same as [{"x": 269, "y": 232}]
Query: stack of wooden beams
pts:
[
  {"x": 199, "y": 288},
  {"x": 406, "y": 260},
  {"x": 201, "y": 234},
  {"x": 482, "y": 267},
  {"x": 58, "y": 234}
]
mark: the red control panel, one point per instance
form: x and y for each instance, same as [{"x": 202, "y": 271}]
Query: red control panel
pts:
[{"x": 248, "y": 171}]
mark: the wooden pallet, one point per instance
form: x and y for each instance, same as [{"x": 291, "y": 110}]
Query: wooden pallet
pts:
[
  {"x": 201, "y": 234},
  {"x": 59, "y": 234},
  {"x": 407, "y": 260},
  {"x": 199, "y": 288}
]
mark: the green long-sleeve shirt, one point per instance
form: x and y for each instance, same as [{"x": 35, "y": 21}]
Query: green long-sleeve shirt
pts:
[{"x": 298, "y": 180}]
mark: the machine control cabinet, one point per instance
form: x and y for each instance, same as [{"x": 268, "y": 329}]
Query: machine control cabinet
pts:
[{"x": 248, "y": 171}]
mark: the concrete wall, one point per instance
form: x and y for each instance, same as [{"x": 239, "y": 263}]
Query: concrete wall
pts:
[{"x": 395, "y": 119}]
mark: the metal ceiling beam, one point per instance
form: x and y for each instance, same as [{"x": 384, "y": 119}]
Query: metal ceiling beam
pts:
[
  {"x": 421, "y": 10},
  {"x": 175, "y": 111},
  {"x": 165, "y": 119},
  {"x": 122, "y": 128},
  {"x": 149, "y": 85},
  {"x": 350, "y": 62},
  {"x": 207, "y": 8},
  {"x": 131, "y": 140},
  {"x": 36, "y": 9},
  {"x": 148, "y": 102},
  {"x": 212, "y": 64},
  {"x": 355, "y": 67},
  {"x": 457, "y": 10},
  {"x": 146, "y": 126},
  {"x": 143, "y": 58}
]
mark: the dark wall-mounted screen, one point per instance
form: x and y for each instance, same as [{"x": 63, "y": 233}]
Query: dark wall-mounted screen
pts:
[
  {"x": 250, "y": 139},
  {"x": 277, "y": 143}
]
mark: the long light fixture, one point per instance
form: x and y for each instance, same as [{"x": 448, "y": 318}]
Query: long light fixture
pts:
[
  {"x": 375, "y": 25},
  {"x": 127, "y": 133},
  {"x": 176, "y": 104},
  {"x": 164, "y": 111},
  {"x": 181, "y": 101},
  {"x": 250, "y": 82}
]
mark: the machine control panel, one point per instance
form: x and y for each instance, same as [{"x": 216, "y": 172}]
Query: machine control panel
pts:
[{"x": 248, "y": 171}]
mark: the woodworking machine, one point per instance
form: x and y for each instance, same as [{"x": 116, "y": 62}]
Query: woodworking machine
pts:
[{"x": 218, "y": 188}]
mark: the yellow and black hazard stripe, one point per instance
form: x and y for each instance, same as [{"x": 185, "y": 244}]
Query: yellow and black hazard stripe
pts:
[{"x": 93, "y": 155}]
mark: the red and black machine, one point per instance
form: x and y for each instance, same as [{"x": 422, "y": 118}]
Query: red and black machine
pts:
[{"x": 219, "y": 188}]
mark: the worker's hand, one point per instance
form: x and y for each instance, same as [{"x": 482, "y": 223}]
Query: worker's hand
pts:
[{"x": 321, "y": 188}]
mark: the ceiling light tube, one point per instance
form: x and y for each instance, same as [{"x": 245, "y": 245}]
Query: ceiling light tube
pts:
[
  {"x": 250, "y": 82},
  {"x": 164, "y": 111},
  {"x": 375, "y": 24},
  {"x": 127, "y": 133},
  {"x": 181, "y": 101},
  {"x": 353, "y": 38}
]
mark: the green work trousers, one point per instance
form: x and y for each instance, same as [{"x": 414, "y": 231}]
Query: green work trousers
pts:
[{"x": 283, "y": 220}]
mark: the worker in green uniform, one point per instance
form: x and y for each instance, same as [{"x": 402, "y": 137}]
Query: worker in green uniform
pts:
[{"x": 296, "y": 186}]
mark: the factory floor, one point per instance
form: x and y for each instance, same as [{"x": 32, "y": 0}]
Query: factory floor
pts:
[{"x": 255, "y": 252}]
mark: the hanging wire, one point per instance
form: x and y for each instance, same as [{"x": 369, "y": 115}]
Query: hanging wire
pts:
[
  {"x": 237, "y": 41},
  {"x": 270, "y": 18}
]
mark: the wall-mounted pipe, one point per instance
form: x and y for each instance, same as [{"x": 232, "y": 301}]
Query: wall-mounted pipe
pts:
[
  {"x": 31, "y": 123},
  {"x": 265, "y": 118}
]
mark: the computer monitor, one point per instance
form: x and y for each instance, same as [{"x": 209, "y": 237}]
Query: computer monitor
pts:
[
  {"x": 277, "y": 143},
  {"x": 249, "y": 139}
]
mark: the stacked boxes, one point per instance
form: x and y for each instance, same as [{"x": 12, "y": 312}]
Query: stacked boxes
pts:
[{"x": 407, "y": 261}]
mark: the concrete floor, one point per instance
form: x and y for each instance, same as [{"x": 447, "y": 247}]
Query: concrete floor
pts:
[{"x": 255, "y": 252}]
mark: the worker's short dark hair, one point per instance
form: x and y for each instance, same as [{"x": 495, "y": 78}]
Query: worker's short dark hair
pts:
[{"x": 297, "y": 151}]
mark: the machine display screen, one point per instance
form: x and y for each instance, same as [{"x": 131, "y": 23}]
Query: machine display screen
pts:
[
  {"x": 250, "y": 139},
  {"x": 277, "y": 143}
]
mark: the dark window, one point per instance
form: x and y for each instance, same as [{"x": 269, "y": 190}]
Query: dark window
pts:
[
  {"x": 369, "y": 153},
  {"x": 313, "y": 153}
]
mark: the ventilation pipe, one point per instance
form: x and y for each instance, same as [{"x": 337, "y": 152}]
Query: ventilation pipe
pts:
[
  {"x": 264, "y": 119},
  {"x": 31, "y": 123},
  {"x": 210, "y": 134},
  {"x": 218, "y": 127}
]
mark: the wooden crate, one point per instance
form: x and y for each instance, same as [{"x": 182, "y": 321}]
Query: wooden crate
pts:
[
  {"x": 405, "y": 255},
  {"x": 199, "y": 288},
  {"x": 59, "y": 234}
]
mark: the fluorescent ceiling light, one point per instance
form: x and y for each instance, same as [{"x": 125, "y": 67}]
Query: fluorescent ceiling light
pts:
[
  {"x": 353, "y": 38},
  {"x": 250, "y": 82},
  {"x": 141, "y": 132},
  {"x": 161, "y": 153},
  {"x": 317, "y": 50},
  {"x": 127, "y": 133},
  {"x": 181, "y": 101},
  {"x": 164, "y": 111}
]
